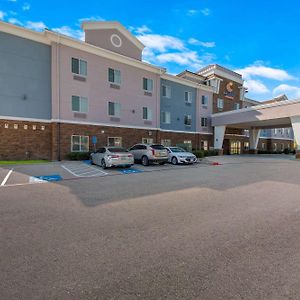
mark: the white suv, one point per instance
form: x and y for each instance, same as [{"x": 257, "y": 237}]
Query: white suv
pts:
[{"x": 147, "y": 154}]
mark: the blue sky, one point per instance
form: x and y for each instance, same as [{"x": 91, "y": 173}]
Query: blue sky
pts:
[{"x": 260, "y": 39}]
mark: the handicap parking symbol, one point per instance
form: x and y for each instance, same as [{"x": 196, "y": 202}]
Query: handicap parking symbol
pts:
[
  {"x": 130, "y": 171},
  {"x": 49, "y": 178}
]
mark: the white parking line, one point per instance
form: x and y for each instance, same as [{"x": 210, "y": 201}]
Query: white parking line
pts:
[
  {"x": 6, "y": 177},
  {"x": 76, "y": 172}
]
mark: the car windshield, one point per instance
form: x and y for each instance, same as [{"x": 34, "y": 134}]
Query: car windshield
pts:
[
  {"x": 117, "y": 150},
  {"x": 158, "y": 147},
  {"x": 177, "y": 149}
]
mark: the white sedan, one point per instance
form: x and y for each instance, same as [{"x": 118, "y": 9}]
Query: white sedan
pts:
[{"x": 180, "y": 156}]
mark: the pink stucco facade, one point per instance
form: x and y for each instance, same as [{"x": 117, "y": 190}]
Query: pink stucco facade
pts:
[{"x": 97, "y": 89}]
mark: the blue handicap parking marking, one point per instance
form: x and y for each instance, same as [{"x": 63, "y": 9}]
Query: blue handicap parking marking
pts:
[
  {"x": 88, "y": 162},
  {"x": 130, "y": 171},
  {"x": 49, "y": 177}
]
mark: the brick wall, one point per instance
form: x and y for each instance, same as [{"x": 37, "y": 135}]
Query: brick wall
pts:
[{"x": 25, "y": 140}]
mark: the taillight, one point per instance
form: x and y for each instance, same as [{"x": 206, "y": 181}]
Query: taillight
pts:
[
  {"x": 115, "y": 156},
  {"x": 153, "y": 152},
  {"x": 130, "y": 155}
]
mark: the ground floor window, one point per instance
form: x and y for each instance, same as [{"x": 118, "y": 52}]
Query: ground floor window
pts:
[
  {"x": 114, "y": 141},
  {"x": 188, "y": 145},
  {"x": 246, "y": 145},
  {"x": 235, "y": 147},
  {"x": 79, "y": 143},
  {"x": 147, "y": 141},
  {"x": 263, "y": 146},
  {"x": 166, "y": 142},
  {"x": 275, "y": 146},
  {"x": 282, "y": 147},
  {"x": 204, "y": 145}
]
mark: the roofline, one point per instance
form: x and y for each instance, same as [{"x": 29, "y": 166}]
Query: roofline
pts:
[
  {"x": 94, "y": 25},
  {"x": 192, "y": 73},
  {"x": 186, "y": 82}
]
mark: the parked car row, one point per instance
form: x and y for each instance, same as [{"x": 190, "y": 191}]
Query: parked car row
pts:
[{"x": 145, "y": 154}]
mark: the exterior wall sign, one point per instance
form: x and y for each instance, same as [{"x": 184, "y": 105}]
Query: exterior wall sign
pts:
[{"x": 229, "y": 93}]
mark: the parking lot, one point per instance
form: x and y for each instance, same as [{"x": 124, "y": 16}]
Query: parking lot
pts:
[
  {"x": 67, "y": 170},
  {"x": 208, "y": 231}
]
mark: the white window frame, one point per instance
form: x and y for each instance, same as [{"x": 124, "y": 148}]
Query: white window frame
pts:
[
  {"x": 149, "y": 87},
  {"x": 117, "y": 74},
  {"x": 168, "y": 91},
  {"x": 204, "y": 120},
  {"x": 189, "y": 97},
  {"x": 81, "y": 99},
  {"x": 149, "y": 114},
  {"x": 206, "y": 100},
  {"x": 166, "y": 142},
  {"x": 237, "y": 106},
  {"x": 166, "y": 117},
  {"x": 189, "y": 117},
  {"x": 80, "y": 61},
  {"x": 219, "y": 101},
  {"x": 118, "y": 110},
  {"x": 205, "y": 144},
  {"x": 114, "y": 137},
  {"x": 147, "y": 140},
  {"x": 80, "y": 143}
]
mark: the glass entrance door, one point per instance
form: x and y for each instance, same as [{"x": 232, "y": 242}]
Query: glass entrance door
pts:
[{"x": 235, "y": 147}]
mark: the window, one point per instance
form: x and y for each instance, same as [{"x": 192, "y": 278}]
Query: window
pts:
[
  {"x": 114, "y": 76},
  {"x": 166, "y": 142},
  {"x": 188, "y": 145},
  {"x": 204, "y": 122},
  {"x": 148, "y": 84},
  {"x": 246, "y": 145},
  {"x": 204, "y": 145},
  {"x": 114, "y": 109},
  {"x": 275, "y": 146},
  {"x": 114, "y": 141},
  {"x": 188, "y": 97},
  {"x": 263, "y": 146},
  {"x": 166, "y": 91},
  {"x": 79, "y": 66},
  {"x": 147, "y": 141},
  {"x": 79, "y": 143},
  {"x": 188, "y": 120},
  {"x": 282, "y": 147},
  {"x": 220, "y": 103},
  {"x": 236, "y": 106},
  {"x": 166, "y": 117},
  {"x": 79, "y": 104},
  {"x": 147, "y": 113},
  {"x": 204, "y": 100}
]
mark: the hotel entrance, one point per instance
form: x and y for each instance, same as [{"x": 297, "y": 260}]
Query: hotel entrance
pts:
[{"x": 235, "y": 147}]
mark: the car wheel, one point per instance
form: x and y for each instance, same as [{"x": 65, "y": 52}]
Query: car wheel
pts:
[
  {"x": 103, "y": 164},
  {"x": 145, "y": 161},
  {"x": 174, "y": 160}
]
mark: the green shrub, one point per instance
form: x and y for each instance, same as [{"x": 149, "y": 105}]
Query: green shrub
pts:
[
  {"x": 204, "y": 153},
  {"x": 78, "y": 155},
  {"x": 198, "y": 153}
]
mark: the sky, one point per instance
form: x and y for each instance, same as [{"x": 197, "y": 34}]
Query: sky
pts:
[{"x": 258, "y": 39}]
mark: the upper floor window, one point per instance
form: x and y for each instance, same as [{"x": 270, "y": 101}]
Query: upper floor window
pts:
[
  {"x": 204, "y": 122},
  {"x": 114, "y": 109},
  {"x": 204, "y": 100},
  {"x": 188, "y": 97},
  {"x": 188, "y": 120},
  {"x": 148, "y": 84},
  {"x": 147, "y": 114},
  {"x": 166, "y": 91},
  {"x": 220, "y": 103},
  {"x": 166, "y": 117},
  {"x": 79, "y": 104},
  {"x": 114, "y": 76},
  {"x": 79, "y": 66},
  {"x": 236, "y": 106}
]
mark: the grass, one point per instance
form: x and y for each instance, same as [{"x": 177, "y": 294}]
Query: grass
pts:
[{"x": 22, "y": 162}]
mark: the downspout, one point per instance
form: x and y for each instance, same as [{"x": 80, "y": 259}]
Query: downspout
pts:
[{"x": 59, "y": 96}]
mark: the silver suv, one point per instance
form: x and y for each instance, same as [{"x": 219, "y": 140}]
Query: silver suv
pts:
[{"x": 151, "y": 153}]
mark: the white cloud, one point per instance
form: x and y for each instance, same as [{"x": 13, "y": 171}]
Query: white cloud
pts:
[
  {"x": 142, "y": 29},
  {"x": 161, "y": 43},
  {"x": 293, "y": 91},
  {"x": 12, "y": 0},
  {"x": 206, "y": 11},
  {"x": 93, "y": 18},
  {"x": 256, "y": 86},
  {"x": 66, "y": 30},
  {"x": 194, "y": 41},
  {"x": 26, "y": 6},
  {"x": 265, "y": 72},
  {"x": 2, "y": 15},
  {"x": 38, "y": 26},
  {"x": 15, "y": 21},
  {"x": 191, "y": 12}
]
